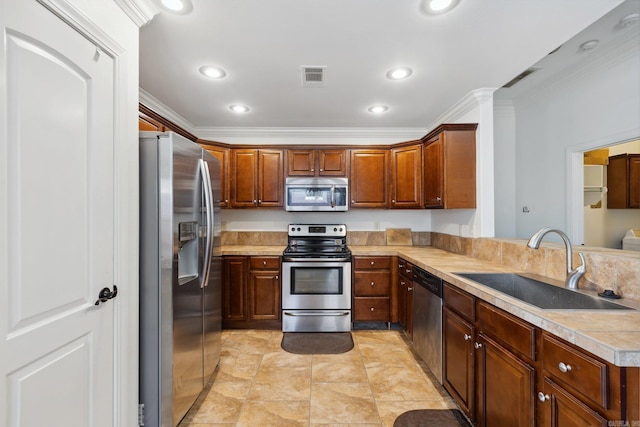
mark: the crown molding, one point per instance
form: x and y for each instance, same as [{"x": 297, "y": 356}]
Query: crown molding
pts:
[
  {"x": 220, "y": 133},
  {"x": 141, "y": 12},
  {"x": 469, "y": 102}
]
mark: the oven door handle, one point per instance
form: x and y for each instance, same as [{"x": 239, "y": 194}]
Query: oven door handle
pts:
[
  {"x": 328, "y": 259},
  {"x": 333, "y": 197},
  {"x": 317, "y": 313}
]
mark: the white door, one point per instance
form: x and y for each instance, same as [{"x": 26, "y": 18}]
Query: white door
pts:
[{"x": 57, "y": 227}]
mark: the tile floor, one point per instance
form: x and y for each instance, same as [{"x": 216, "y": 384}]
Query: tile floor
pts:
[{"x": 259, "y": 384}]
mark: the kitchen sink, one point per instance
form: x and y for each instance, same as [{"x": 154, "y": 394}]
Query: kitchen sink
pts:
[{"x": 541, "y": 294}]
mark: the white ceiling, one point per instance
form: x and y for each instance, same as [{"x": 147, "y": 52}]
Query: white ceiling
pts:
[{"x": 262, "y": 44}]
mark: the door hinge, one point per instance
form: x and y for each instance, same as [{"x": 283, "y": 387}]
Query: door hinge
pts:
[{"x": 141, "y": 414}]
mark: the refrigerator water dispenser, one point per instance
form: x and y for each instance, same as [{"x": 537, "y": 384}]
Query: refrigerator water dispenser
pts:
[{"x": 187, "y": 252}]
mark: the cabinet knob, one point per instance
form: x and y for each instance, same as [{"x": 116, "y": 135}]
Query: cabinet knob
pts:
[
  {"x": 259, "y": 201},
  {"x": 477, "y": 345},
  {"x": 372, "y": 262},
  {"x": 373, "y": 309},
  {"x": 393, "y": 201},
  {"x": 402, "y": 282},
  {"x": 467, "y": 337},
  {"x": 400, "y": 266},
  {"x": 408, "y": 271},
  {"x": 226, "y": 200},
  {"x": 255, "y": 202},
  {"x": 313, "y": 170},
  {"x": 353, "y": 201},
  {"x": 321, "y": 170},
  {"x": 409, "y": 289},
  {"x": 564, "y": 368},
  {"x": 277, "y": 277},
  {"x": 264, "y": 262},
  {"x": 543, "y": 397},
  {"x": 439, "y": 199},
  {"x": 373, "y": 283}
]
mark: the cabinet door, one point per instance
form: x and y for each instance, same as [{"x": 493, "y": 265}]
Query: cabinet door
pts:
[
  {"x": 270, "y": 178},
  {"x": 369, "y": 183},
  {"x": 264, "y": 290},
  {"x": 222, "y": 154},
  {"x": 561, "y": 409},
  {"x": 634, "y": 181},
  {"x": 458, "y": 356},
  {"x": 301, "y": 162},
  {"x": 434, "y": 173},
  {"x": 505, "y": 388},
  {"x": 234, "y": 288},
  {"x": 332, "y": 163},
  {"x": 406, "y": 177},
  {"x": 244, "y": 178}
]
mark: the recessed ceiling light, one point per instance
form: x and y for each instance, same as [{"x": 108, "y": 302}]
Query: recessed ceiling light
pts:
[
  {"x": 377, "y": 109},
  {"x": 212, "y": 72},
  {"x": 180, "y": 7},
  {"x": 175, "y": 5},
  {"x": 399, "y": 73},
  {"x": 436, "y": 7},
  {"x": 628, "y": 20},
  {"x": 239, "y": 108},
  {"x": 588, "y": 45}
]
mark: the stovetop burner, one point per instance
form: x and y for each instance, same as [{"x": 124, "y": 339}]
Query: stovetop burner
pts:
[{"x": 324, "y": 241}]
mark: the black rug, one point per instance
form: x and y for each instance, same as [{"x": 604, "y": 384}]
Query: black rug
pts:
[
  {"x": 431, "y": 418},
  {"x": 317, "y": 342}
]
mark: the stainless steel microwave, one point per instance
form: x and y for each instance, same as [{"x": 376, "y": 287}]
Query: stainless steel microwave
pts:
[{"x": 317, "y": 194}]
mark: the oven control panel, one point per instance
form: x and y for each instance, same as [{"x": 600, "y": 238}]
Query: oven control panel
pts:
[{"x": 320, "y": 230}]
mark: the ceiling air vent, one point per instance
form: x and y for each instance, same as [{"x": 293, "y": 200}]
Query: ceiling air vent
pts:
[
  {"x": 313, "y": 76},
  {"x": 521, "y": 76}
]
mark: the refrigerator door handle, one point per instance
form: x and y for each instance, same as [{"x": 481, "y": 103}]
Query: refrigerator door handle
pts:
[{"x": 206, "y": 185}]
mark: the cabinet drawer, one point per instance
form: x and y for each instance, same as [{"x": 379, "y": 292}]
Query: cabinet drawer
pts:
[
  {"x": 371, "y": 283},
  {"x": 405, "y": 269},
  {"x": 371, "y": 263},
  {"x": 578, "y": 370},
  {"x": 371, "y": 309},
  {"x": 265, "y": 263},
  {"x": 459, "y": 301},
  {"x": 518, "y": 335}
]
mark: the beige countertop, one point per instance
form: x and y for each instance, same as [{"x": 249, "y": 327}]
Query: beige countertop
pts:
[{"x": 613, "y": 335}]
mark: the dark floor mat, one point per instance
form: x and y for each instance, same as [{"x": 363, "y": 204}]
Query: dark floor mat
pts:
[
  {"x": 431, "y": 418},
  {"x": 317, "y": 342}
]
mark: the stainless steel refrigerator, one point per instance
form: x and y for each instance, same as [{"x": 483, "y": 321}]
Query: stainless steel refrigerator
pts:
[{"x": 180, "y": 275}]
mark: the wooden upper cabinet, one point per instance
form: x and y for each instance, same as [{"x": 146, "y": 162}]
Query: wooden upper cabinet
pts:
[
  {"x": 270, "y": 178},
  {"x": 450, "y": 167},
  {"x": 256, "y": 178},
  {"x": 623, "y": 182},
  {"x": 327, "y": 162},
  {"x": 406, "y": 177},
  {"x": 369, "y": 178},
  {"x": 222, "y": 154}
]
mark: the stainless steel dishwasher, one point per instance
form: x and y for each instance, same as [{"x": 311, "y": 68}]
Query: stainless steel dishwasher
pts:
[{"x": 427, "y": 319}]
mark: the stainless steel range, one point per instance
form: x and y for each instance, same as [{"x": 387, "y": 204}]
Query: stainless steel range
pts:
[{"x": 316, "y": 279}]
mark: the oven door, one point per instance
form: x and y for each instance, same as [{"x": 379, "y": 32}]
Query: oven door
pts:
[{"x": 316, "y": 285}]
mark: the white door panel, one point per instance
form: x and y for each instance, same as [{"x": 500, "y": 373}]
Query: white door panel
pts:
[{"x": 57, "y": 228}]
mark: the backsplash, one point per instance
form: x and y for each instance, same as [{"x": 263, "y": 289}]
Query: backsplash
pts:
[{"x": 606, "y": 268}]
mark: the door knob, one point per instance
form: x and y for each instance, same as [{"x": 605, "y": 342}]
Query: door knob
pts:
[{"x": 105, "y": 294}]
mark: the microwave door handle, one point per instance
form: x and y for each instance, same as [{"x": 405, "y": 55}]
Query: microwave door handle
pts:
[{"x": 333, "y": 196}]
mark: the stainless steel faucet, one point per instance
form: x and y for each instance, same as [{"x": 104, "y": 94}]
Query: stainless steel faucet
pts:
[{"x": 573, "y": 276}]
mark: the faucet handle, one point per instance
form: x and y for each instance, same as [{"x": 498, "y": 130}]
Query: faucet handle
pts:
[{"x": 583, "y": 264}]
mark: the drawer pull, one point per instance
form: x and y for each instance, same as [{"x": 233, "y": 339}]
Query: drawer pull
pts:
[
  {"x": 373, "y": 309},
  {"x": 467, "y": 337},
  {"x": 477, "y": 345},
  {"x": 373, "y": 283},
  {"x": 372, "y": 262},
  {"x": 543, "y": 397},
  {"x": 564, "y": 368},
  {"x": 264, "y": 262}
]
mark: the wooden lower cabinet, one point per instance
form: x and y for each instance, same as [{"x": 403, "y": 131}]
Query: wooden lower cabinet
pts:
[
  {"x": 459, "y": 360},
  {"x": 505, "y": 386},
  {"x": 251, "y": 292},
  {"x": 405, "y": 296},
  {"x": 503, "y": 371},
  {"x": 559, "y": 408},
  {"x": 371, "y": 288}
]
